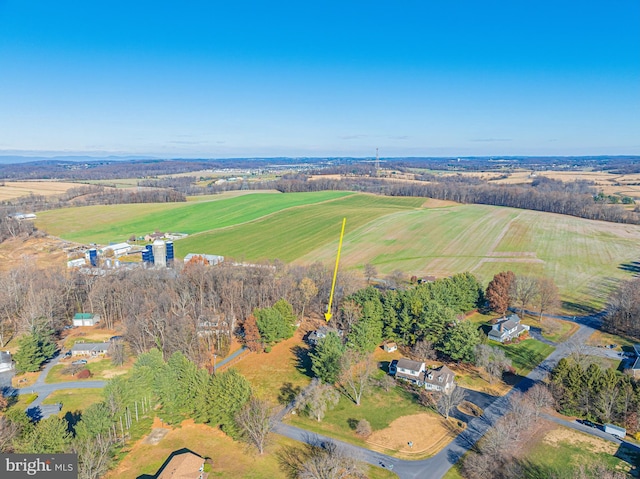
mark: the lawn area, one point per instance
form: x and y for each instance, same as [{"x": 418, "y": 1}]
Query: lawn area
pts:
[
  {"x": 556, "y": 330},
  {"x": 23, "y": 401},
  {"x": 101, "y": 369},
  {"x": 279, "y": 373},
  {"x": 378, "y": 407},
  {"x": 73, "y": 400},
  {"x": 600, "y": 338},
  {"x": 526, "y": 354},
  {"x": 231, "y": 459},
  {"x": 562, "y": 449}
]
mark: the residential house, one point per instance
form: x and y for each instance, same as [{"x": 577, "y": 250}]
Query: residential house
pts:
[
  {"x": 320, "y": 333},
  {"x": 86, "y": 319},
  {"x": 6, "y": 363},
  {"x": 439, "y": 379},
  {"x": 90, "y": 349},
  {"x": 507, "y": 329},
  {"x": 412, "y": 371},
  {"x": 186, "y": 465}
]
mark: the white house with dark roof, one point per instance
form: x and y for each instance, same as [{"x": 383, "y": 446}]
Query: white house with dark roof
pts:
[
  {"x": 635, "y": 369},
  {"x": 322, "y": 332},
  {"x": 89, "y": 349},
  {"x": 507, "y": 329},
  {"x": 439, "y": 379},
  {"x": 412, "y": 371}
]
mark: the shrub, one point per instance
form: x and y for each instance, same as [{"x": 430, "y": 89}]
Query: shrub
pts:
[
  {"x": 84, "y": 374},
  {"x": 363, "y": 428}
]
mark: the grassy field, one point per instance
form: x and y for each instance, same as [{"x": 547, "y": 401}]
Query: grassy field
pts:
[
  {"x": 100, "y": 370},
  {"x": 73, "y": 400},
  {"x": 526, "y": 354},
  {"x": 15, "y": 189},
  {"x": 417, "y": 236},
  {"x": 112, "y": 223}
]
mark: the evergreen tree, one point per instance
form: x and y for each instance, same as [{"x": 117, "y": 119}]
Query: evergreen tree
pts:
[
  {"x": 228, "y": 393},
  {"x": 276, "y": 323},
  {"x": 459, "y": 341},
  {"x": 33, "y": 350},
  {"x": 325, "y": 360},
  {"x": 49, "y": 436}
]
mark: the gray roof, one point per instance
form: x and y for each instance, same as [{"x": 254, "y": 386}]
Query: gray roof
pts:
[
  {"x": 443, "y": 372},
  {"x": 90, "y": 347},
  {"x": 5, "y": 357},
  {"x": 408, "y": 364}
]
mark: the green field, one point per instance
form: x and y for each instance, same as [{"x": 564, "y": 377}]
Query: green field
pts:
[
  {"x": 526, "y": 354},
  {"x": 586, "y": 258},
  {"x": 114, "y": 223}
]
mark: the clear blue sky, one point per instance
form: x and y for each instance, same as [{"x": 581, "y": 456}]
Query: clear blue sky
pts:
[{"x": 324, "y": 78}]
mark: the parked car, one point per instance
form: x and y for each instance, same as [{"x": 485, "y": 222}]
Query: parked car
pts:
[
  {"x": 67, "y": 354},
  {"x": 79, "y": 362}
]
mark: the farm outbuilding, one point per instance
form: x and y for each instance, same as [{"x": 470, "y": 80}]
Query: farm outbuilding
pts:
[{"x": 86, "y": 319}]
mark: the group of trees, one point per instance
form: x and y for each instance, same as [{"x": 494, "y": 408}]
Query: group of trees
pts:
[
  {"x": 13, "y": 228},
  {"x": 425, "y": 312},
  {"x": 624, "y": 310},
  {"x": 507, "y": 290},
  {"x": 193, "y": 310},
  {"x": 588, "y": 391}
]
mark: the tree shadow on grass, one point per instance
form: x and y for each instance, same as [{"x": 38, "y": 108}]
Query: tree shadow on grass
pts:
[
  {"x": 288, "y": 393},
  {"x": 631, "y": 267},
  {"x": 73, "y": 418},
  {"x": 303, "y": 361}
]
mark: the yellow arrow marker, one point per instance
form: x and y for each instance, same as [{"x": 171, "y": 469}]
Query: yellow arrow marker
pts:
[{"x": 328, "y": 314}]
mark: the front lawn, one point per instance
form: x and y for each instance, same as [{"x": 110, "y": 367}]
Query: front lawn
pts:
[
  {"x": 525, "y": 355},
  {"x": 101, "y": 369},
  {"x": 73, "y": 400},
  {"x": 378, "y": 407}
]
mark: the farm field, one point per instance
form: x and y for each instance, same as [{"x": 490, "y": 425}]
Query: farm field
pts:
[
  {"x": 113, "y": 223},
  {"x": 419, "y": 237},
  {"x": 16, "y": 189}
]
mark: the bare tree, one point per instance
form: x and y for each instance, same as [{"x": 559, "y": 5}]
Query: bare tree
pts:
[
  {"x": 9, "y": 430},
  {"x": 539, "y": 397},
  {"x": 363, "y": 428},
  {"x": 448, "y": 400},
  {"x": 356, "y": 374},
  {"x": 370, "y": 271},
  {"x": 316, "y": 398},
  {"x": 308, "y": 290},
  {"x": 350, "y": 313},
  {"x": 94, "y": 455},
  {"x": 547, "y": 298},
  {"x": 424, "y": 350},
  {"x": 493, "y": 360},
  {"x": 523, "y": 290},
  {"x": 320, "y": 460},
  {"x": 256, "y": 420}
]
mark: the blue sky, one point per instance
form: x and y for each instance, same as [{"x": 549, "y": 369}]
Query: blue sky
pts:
[{"x": 327, "y": 78}]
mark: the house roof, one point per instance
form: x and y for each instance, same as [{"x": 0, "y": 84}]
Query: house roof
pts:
[
  {"x": 83, "y": 316},
  {"x": 443, "y": 372},
  {"x": 90, "y": 347},
  {"x": 5, "y": 357},
  {"x": 182, "y": 466},
  {"x": 636, "y": 349},
  {"x": 409, "y": 364}
]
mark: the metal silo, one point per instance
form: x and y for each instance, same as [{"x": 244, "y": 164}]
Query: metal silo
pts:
[
  {"x": 169, "y": 253},
  {"x": 160, "y": 253}
]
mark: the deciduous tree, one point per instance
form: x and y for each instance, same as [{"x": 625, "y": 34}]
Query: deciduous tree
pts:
[
  {"x": 355, "y": 376},
  {"x": 255, "y": 421},
  {"x": 499, "y": 290},
  {"x": 316, "y": 398}
]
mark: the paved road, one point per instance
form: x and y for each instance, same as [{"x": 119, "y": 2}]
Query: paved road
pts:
[{"x": 494, "y": 408}]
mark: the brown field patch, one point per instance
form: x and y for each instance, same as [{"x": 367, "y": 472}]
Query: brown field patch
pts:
[
  {"x": 570, "y": 436},
  {"x": 433, "y": 203},
  {"x": 16, "y": 189},
  {"x": 43, "y": 252},
  {"x": 427, "y": 432}
]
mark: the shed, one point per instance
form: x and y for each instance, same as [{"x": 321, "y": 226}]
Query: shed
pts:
[
  {"x": 186, "y": 465},
  {"x": 86, "y": 319},
  {"x": 390, "y": 347}
]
